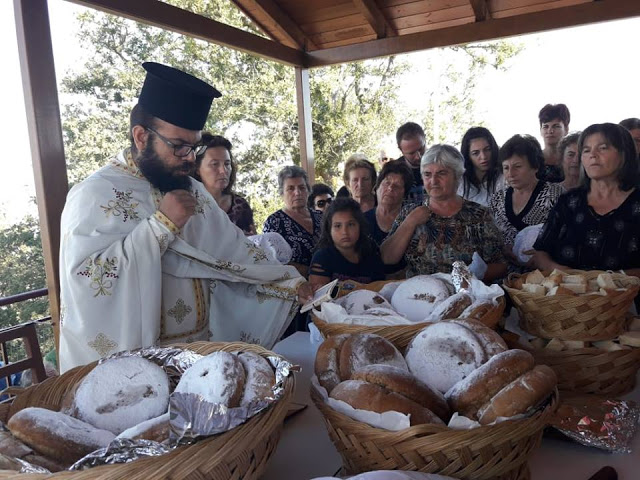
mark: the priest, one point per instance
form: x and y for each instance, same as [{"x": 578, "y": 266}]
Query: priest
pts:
[{"x": 147, "y": 257}]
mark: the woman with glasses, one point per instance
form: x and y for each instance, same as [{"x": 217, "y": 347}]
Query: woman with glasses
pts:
[
  {"x": 298, "y": 224},
  {"x": 320, "y": 197},
  {"x": 216, "y": 169}
]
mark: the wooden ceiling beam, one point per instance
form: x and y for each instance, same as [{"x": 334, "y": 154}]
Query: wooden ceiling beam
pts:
[
  {"x": 284, "y": 24},
  {"x": 374, "y": 16},
  {"x": 168, "y": 17},
  {"x": 592, "y": 12},
  {"x": 480, "y": 9}
]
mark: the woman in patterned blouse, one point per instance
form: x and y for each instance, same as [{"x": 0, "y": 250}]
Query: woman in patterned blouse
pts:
[
  {"x": 527, "y": 201},
  {"x": 216, "y": 169},
  {"x": 597, "y": 225},
  {"x": 299, "y": 225},
  {"x": 447, "y": 227}
]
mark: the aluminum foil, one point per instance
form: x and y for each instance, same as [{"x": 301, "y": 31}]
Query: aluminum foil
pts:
[
  {"x": 599, "y": 422},
  {"x": 460, "y": 276},
  {"x": 191, "y": 417},
  {"x": 121, "y": 450}
]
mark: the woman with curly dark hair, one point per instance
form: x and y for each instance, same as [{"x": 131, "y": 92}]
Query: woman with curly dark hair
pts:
[
  {"x": 482, "y": 171},
  {"x": 345, "y": 251}
]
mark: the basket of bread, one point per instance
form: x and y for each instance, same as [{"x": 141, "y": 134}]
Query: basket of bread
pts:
[
  {"x": 573, "y": 305},
  {"x": 397, "y": 310},
  {"x": 202, "y": 410},
  {"x": 457, "y": 403},
  {"x": 605, "y": 367}
]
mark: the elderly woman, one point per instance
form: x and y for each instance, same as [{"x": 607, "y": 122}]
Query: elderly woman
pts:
[
  {"x": 320, "y": 197},
  {"x": 633, "y": 125},
  {"x": 360, "y": 177},
  {"x": 568, "y": 150},
  {"x": 554, "y": 125},
  {"x": 298, "y": 224},
  {"x": 216, "y": 169},
  {"x": 447, "y": 227},
  {"x": 482, "y": 171},
  {"x": 393, "y": 186},
  {"x": 597, "y": 226},
  {"x": 527, "y": 201}
]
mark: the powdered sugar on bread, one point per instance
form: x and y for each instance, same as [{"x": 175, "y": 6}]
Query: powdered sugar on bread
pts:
[
  {"x": 122, "y": 392},
  {"x": 443, "y": 354},
  {"x": 260, "y": 378},
  {"x": 217, "y": 378}
]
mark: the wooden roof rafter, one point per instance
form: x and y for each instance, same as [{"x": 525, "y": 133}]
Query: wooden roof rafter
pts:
[
  {"x": 168, "y": 17},
  {"x": 375, "y": 18},
  {"x": 481, "y": 9},
  {"x": 280, "y": 20},
  {"x": 493, "y": 28}
]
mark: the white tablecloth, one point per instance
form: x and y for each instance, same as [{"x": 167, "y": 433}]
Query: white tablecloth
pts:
[{"x": 305, "y": 450}]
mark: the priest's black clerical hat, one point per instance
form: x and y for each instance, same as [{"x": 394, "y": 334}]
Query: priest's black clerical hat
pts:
[{"x": 176, "y": 97}]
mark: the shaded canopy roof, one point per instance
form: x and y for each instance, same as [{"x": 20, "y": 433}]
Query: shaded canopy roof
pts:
[{"x": 314, "y": 33}]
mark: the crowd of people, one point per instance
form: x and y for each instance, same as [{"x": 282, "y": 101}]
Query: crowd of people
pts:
[
  {"x": 151, "y": 256},
  {"x": 432, "y": 206}
]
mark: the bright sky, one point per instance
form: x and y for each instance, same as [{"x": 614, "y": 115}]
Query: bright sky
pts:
[{"x": 593, "y": 69}]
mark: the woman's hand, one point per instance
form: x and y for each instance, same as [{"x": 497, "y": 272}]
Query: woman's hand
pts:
[
  {"x": 418, "y": 216},
  {"x": 305, "y": 292},
  {"x": 542, "y": 261}
]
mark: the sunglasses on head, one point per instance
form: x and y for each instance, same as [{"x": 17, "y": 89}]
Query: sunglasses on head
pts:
[{"x": 322, "y": 203}]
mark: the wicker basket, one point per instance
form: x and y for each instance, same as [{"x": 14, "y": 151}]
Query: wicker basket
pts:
[
  {"x": 399, "y": 335},
  {"x": 493, "y": 452},
  {"x": 592, "y": 370},
  {"x": 573, "y": 317},
  {"x": 239, "y": 453}
]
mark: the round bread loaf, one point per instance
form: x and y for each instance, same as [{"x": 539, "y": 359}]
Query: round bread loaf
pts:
[
  {"x": 362, "y": 349},
  {"x": 217, "y": 378},
  {"x": 491, "y": 341},
  {"x": 470, "y": 394},
  {"x": 122, "y": 392},
  {"x": 12, "y": 447},
  {"x": 367, "y": 396},
  {"x": 444, "y": 353},
  {"x": 450, "y": 307},
  {"x": 327, "y": 363},
  {"x": 526, "y": 391},
  {"x": 406, "y": 384},
  {"x": 260, "y": 378},
  {"x": 57, "y": 435},
  {"x": 359, "y": 301},
  {"x": 417, "y": 297}
]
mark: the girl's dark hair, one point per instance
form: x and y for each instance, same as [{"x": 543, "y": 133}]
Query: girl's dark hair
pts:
[
  {"x": 491, "y": 177},
  {"x": 365, "y": 245},
  {"x": 399, "y": 167},
  {"x": 550, "y": 112},
  {"x": 620, "y": 139},
  {"x": 212, "y": 141}
]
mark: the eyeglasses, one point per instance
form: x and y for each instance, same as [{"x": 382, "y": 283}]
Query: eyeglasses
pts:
[
  {"x": 183, "y": 150},
  {"x": 322, "y": 203}
]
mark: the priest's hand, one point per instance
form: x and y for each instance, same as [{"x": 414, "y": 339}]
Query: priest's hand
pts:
[
  {"x": 305, "y": 292},
  {"x": 178, "y": 206}
]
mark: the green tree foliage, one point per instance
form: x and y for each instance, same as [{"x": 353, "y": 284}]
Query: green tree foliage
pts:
[{"x": 22, "y": 264}]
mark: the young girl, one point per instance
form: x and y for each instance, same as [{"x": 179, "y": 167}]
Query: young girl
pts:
[{"x": 345, "y": 251}]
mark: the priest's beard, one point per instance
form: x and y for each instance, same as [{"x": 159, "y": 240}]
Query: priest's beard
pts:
[{"x": 162, "y": 177}]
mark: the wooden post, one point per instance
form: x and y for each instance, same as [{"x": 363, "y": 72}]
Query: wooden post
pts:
[
  {"x": 45, "y": 135},
  {"x": 303, "y": 97}
]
